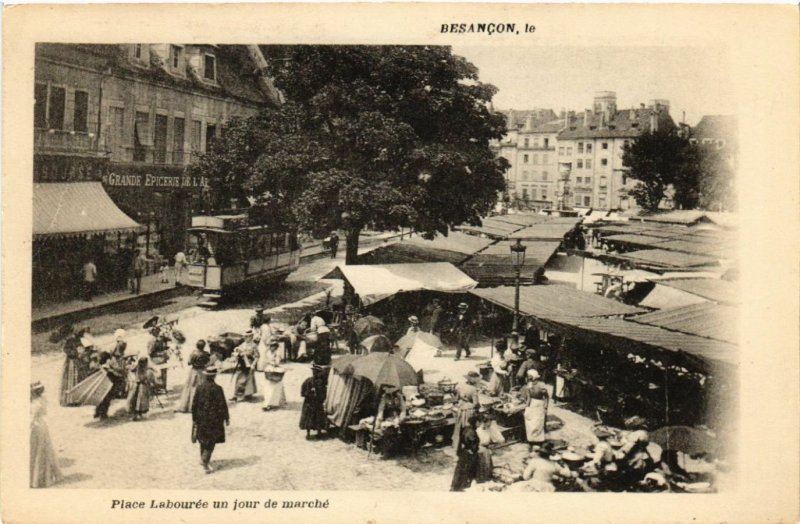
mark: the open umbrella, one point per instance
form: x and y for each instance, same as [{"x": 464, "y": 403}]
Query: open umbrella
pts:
[
  {"x": 425, "y": 342},
  {"x": 342, "y": 364},
  {"x": 377, "y": 343},
  {"x": 385, "y": 369},
  {"x": 367, "y": 326},
  {"x": 685, "y": 439}
]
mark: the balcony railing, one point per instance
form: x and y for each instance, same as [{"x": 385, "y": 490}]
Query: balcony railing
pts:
[{"x": 56, "y": 140}]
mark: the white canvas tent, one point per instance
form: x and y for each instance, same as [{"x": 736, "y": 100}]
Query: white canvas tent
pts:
[{"x": 374, "y": 283}]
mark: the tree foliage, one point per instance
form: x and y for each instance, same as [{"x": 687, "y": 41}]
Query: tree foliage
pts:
[
  {"x": 372, "y": 136},
  {"x": 699, "y": 176}
]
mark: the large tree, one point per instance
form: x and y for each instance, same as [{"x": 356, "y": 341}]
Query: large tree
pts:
[
  {"x": 661, "y": 160},
  {"x": 372, "y": 137}
]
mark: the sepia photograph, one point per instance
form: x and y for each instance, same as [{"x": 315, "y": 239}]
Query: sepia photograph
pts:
[{"x": 402, "y": 269}]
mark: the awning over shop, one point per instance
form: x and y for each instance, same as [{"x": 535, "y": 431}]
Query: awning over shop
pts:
[
  {"x": 615, "y": 332},
  {"x": 555, "y": 301},
  {"x": 668, "y": 259},
  {"x": 713, "y": 289},
  {"x": 704, "y": 320},
  {"x": 63, "y": 209},
  {"x": 374, "y": 283}
]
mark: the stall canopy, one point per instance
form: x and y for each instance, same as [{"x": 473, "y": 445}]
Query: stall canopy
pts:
[
  {"x": 76, "y": 208},
  {"x": 668, "y": 259},
  {"x": 554, "y": 301},
  {"x": 713, "y": 289},
  {"x": 374, "y": 283},
  {"x": 706, "y": 319}
]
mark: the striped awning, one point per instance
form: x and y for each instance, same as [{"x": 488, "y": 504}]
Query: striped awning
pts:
[{"x": 62, "y": 209}]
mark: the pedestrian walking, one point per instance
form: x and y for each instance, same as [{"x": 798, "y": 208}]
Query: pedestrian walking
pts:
[
  {"x": 209, "y": 417},
  {"x": 463, "y": 330},
  {"x": 181, "y": 264},
  {"x": 44, "y": 463},
  {"x": 198, "y": 362},
  {"x": 89, "y": 274},
  {"x": 314, "y": 391},
  {"x": 263, "y": 336},
  {"x": 113, "y": 365},
  {"x": 467, "y": 399},
  {"x": 274, "y": 394},
  {"x": 139, "y": 264},
  {"x": 140, "y": 387},
  {"x": 333, "y": 243},
  {"x": 246, "y": 355},
  {"x": 70, "y": 372}
]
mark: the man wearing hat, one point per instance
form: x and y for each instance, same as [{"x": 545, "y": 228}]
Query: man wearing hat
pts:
[
  {"x": 209, "y": 417},
  {"x": 463, "y": 330}
]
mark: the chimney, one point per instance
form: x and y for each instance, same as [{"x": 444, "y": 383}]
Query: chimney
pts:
[
  {"x": 587, "y": 117},
  {"x": 603, "y": 121},
  {"x": 653, "y": 121}
]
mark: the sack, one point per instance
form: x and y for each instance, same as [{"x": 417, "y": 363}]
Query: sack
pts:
[{"x": 194, "y": 433}]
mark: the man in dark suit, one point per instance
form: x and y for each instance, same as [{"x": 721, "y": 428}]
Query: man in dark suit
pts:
[{"x": 209, "y": 417}]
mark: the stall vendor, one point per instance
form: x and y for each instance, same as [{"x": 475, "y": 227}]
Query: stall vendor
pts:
[
  {"x": 499, "y": 382},
  {"x": 488, "y": 434},
  {"x": 542, "y": 469},
  {"x": 531, "y": 362},
  {"x": 534, "y": 395},
  {"x": 466, "y": 394},
  {"x": 513, "y": 362}
]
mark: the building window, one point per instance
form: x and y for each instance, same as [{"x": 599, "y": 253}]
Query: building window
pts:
[
  {"x": 579, "y": 180},
  {"x": 602, "y": 203},
  {"x": 524, "y": 194},
  {"x": 544, "y": 194},
  {"x": 603, "y": 161},
  {"x": 544, "y": 176},
  {"x": 117, "y": 132},
  {"x": 580, "y": 163},
  {"x": 588, "y": 163},
  {"x": 544, "y": 158},
  {"x": 588, "y": 180},
  {"x": 210, "y": 68},
  {"x": 624, "y": 180},
  {"x": 535, "y": 159},
  {"x": 526, "y": 142},
  {"x": 80, "y": 112},
  {"x": 605, "y": 145},
  {"x": 40, "y": 107},
  {"x": 588, "y": 148},
  {"x": 137, "y": 51},
  {"x": 211, "y": 135},
  {"x": 561, "y": 150},
  {"x": 587, "y": 200},
  {"x": 603, "y": 181},
  {"x": 536, "y": 141},
  {"x": 546, "y": 142},
  {"x": 525, "y": 158},
  {"x": 534, "y": 192},
  {"x": 197, "y": 127},
  {"x": 580, "y": 147},
  {"x": 176, "y": 53},
  {"x": 569, "y": 151},
  {"x": 55, "y": 110},
  {"x": 177, "y": 140},
  {"x": 160, "y": 140},
  {"x": 141, "y": 136}
]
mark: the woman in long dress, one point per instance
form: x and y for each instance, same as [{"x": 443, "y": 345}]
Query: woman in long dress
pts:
[
  {"x": 69, "y": 375},
  {"x": 468, "y": 403},
  {"x": 198, "y": 361},
  {"x": 263, "y": 336},
  {"x": 314, "y": 391},
  {"x": 467, "y": 451},
  {"x": 44, "y": 463},
  {"x": 488, "y": 434},
  {"x": 140, "y": 387},
  {"x": 246, "y": 358},
  {"x": 535, "y": 396},
  {"x": 274, "y": 395}
]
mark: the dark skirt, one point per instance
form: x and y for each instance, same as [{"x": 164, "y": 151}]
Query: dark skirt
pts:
[
  {"x": 312, "y": 415},
  {"x": 139, "y": 397},
  {"x": 466, "y": 471},
  {"x": 485, "y": 465},
  {"x": 69, "y": 379}
]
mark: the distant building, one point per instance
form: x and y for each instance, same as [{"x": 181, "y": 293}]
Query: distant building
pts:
[
  {"x": 718, "y": 132},
  {"x": 131, "y": 117},
  {"x": 530, "y": 147},
  {"x": 590, "y": 149}
]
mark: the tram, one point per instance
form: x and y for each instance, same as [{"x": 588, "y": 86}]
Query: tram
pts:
[{"x": 227, "y": 252}]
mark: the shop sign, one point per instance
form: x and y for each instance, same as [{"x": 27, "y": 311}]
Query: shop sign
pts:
[{"x": 155, "y": 181}]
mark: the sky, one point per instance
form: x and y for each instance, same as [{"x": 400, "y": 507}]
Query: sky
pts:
[{"x": 694, "y": 80}]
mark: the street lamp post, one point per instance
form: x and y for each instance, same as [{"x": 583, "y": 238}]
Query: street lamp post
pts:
[{"x": 518, "y": 259}]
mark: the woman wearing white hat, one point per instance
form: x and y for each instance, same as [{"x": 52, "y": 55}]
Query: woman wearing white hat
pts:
[
  {"x": 535, "y": 396},
  {"x": 44, "y": 462}
]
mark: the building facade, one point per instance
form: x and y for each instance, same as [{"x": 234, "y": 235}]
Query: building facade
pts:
[
  {"x": 575, "y": 159},
  {"x": 132, "y": 117},
  {"x": 718, "y": 132},
  {"x": 591, "y": 146}
]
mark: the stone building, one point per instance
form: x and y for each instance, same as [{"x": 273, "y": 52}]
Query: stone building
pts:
[{"x": 127, "y": 119}]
